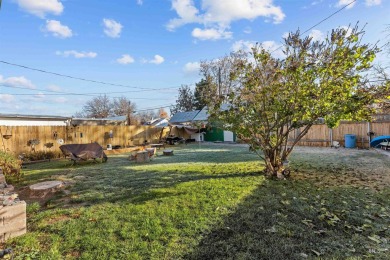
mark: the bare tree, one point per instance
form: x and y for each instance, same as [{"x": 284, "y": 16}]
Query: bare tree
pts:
[
  {"x": 217, "y": 74},
  {"x": 145, "y": 116},
  {"x": 123, "y": 106},
  {"x": 98, "y": 107}
]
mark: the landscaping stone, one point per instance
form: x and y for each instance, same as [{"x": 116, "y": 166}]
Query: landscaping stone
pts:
[
  {"x": 142, "y": 157},
  {"x": 168, "y": 152},
  {"x": 40, "y": 190}
]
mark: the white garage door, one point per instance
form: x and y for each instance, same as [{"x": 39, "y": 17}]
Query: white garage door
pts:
[{"x": 227, "y": 136}]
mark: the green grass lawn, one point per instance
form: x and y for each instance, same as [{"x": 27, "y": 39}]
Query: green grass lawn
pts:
[{"x": 210, "y": 202}]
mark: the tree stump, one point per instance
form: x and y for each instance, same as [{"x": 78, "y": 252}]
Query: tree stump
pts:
[
  {"x": 40, "y": 190},
  {"x": 168, "y": 152},
  {"x": 142, "y": 157}
]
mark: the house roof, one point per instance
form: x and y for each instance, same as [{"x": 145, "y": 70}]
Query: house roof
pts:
[
  {"x": 202, "y": 115},
  {"x": 33, "y": 117},
  {"x": 114, "y": 118},
  {"x": 183, "y": 117}
]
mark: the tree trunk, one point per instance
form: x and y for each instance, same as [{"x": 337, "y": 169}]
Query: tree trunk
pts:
[{"x": 274, "y": 164}]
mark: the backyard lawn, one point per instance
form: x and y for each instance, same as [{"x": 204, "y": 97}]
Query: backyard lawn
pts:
[{"x": 211, "y": 201}]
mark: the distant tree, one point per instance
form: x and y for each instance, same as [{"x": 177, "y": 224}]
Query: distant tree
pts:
[
  {"x": 274, "y": 97},
  {"x": 123, "y": 106},
  {"x": 185, "y": 100},
  {"x": 162, "y": 113},
  {"x": 382, "y": 83},
  {"x": 205, "y": 92},
  {"x": 98, "y": 107},
  {"x": 146, "y": 116},
  {"x": 217, "y": 75}
]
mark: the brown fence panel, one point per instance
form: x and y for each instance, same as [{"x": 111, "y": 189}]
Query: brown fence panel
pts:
[
  {"x": 382, "y": 128},
  {"x": 123, "y": 136},
  {"x": 358, "y": 129},
  {"x": 321, "y": 135}
]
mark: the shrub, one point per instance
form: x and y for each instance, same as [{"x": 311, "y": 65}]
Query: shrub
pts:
[
  {"x": 40, "y": 155},
  {"x": 10, "y": 165}
]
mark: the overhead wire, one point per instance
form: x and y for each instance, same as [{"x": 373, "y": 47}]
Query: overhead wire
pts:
[
  {"x": 142, "y": 89},
  {"x": 58, "y": 93},
  {"x": 320, "y": 22},
  {"x": 79, "y": 78}
]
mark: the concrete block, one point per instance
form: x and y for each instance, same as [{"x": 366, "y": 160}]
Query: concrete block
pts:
[{"x": 13, "y": 221}]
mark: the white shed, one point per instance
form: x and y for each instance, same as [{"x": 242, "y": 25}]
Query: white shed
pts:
[{"x": 33, "y": 120}]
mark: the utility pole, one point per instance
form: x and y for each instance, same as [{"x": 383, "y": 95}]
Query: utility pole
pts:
[{"x": 219, "y": 82}]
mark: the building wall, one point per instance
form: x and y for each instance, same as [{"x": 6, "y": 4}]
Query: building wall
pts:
[{"x": 214, "y": 134}]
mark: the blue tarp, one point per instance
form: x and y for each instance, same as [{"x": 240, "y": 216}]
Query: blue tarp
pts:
[{"x": 377, "y": 140}]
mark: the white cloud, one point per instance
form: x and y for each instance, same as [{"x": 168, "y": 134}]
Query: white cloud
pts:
[
  {"x": 6, "y": 98},
  {"x": 317, "y": 35},
  {"x": 275, "y": 48},
  {"x": 77, "y": 54},
  {"x": 140, "y": 2},
  {"x": 41, "y": 7},
  {"x": 54, "y": 88},
  {"x": 373, "y": 2},
  {"x": 243, "y": 45},
  {"x": 17, "y": 82},
  {"x": 219, "y": 14},
  {"x": 348, "y": 29},
  {"x": 125, "y": 59},
  {"x": 211, "y": 34},
  {"x": 57, "y": 29},
  {"x": 112, "y": 28},
  {"x": 157, "y": 59},
  {"x": 342, "y": 3},
  {"x": 191, "y": 68}
]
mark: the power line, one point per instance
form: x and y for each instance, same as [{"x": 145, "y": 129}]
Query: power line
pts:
[
  {"x": 78, "y": 78},
  {"x": 70, "y": 93},
  {"x": 320, "y": 22},
  {"x": 153, "y": 108},
  {"x": 326, "y": 18}
]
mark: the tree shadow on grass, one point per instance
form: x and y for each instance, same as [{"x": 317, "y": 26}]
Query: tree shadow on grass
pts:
[
  {"x": 120, "y": 180},
  {"x": 138, "y": 187},
  {"x": 296, "y": 220}
]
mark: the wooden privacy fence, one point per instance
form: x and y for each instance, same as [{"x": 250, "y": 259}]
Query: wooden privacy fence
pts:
[
  {"x": 321, "y": 135},
  {"x": 51, "y": 137}
]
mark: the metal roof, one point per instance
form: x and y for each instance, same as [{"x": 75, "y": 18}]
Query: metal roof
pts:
[
  {"x": 114, "y": 118},
  {"x": 202, "y": 115},
  {"x": 183, "y": 117},
  {"x": 46, "y": 117}
]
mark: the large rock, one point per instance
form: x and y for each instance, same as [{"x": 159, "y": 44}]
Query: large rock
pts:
[{"x": 40, "y": 190}]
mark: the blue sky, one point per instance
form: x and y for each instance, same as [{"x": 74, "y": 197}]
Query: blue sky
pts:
[{"x": 151, "y": 47}]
